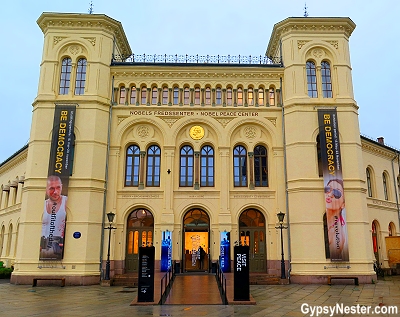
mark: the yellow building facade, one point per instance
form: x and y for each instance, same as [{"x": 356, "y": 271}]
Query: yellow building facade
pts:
[{"x": 197, "y": 147}]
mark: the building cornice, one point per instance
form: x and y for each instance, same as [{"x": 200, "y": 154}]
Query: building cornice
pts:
[
  {"x": 17, "y": 158},
  {"x": 86, "y": 22},
  {"x": 378, "y": 149},
  {"x": 304, "y": 25}
]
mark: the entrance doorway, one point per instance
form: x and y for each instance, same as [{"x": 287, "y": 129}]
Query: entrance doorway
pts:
[
  {"x": 196, "y": 229},
  {"x": 252, "y": 233},
  {"x": 375, "y": 241},
  {"x": 140, "y": 230}
]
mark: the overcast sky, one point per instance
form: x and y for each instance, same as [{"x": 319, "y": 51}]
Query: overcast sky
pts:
[{"x": 206, "y": 27}]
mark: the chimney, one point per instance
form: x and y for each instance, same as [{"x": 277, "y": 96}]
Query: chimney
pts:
[{"x": 381, "y": 140}]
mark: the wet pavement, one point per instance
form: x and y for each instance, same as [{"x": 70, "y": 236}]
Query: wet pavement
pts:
[{"x": 271, "y": 300}]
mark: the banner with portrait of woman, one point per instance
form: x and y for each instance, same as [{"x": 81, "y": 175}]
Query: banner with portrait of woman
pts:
[
  {"x": 54, "y": 212},
  {"x": 333, "y": 185}
]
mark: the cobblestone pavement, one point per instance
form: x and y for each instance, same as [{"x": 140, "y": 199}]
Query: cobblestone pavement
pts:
[{"x": 272, "y": 300}]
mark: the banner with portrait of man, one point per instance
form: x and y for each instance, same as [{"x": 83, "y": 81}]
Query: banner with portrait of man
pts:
[
  {"x": 333, "y": 185},
  {"x": 54, "y": 211}
]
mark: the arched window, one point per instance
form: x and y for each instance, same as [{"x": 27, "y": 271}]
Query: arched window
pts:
[
  {"x": 391, "y": 229},
  {"x": 385, "y": 188},
  {"x": 153, "y": 166},
  {"x": 326, "y": 238},
  {"x": 186, "y": 166},
  {"x": 250, "y": 96},
  {"x": 240, "y": 166},
  {"x": 260, "y": 166},
  {"x": 218, "y": 96},
  {"x": 132, "y": 166},
  {"x": 197, "y": 96},
  {"x": 186, "y": 96},
  {"x": 122, "y": 95},
  {"x": 165, "y": 96},
  {"x": 311, "y": 80},
  {"x": 229, "y": 96},
  {"x": 272, "y": 96},
  {"x": 176, "y": 95},
  {"x": 369, "y": 184},
  {"x": 207, "y": 166},
  {"x": 80, "y": 77},
  {"x": 319, "y": 157},
  {"x": 240, "y": 97},
  {"x": 260, "y": 96},
  {"x": 154, "y": 95},
  {"x": 208, "y": 96},
  {"x": 133, "y": 95},
  {"x": 143, "y": 93},
  {"x": 65, "y": 76},
  {"x": 326, "y": 80}
]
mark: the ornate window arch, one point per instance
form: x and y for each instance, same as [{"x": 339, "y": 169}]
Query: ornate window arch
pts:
[
  {"x": 369, "y": 182},
  {"x": 132, "y": 165},
  {"x": 326, "y": 79}
]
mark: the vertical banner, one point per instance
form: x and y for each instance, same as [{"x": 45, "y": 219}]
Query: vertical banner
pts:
[
  {"x": 333, "y": 185},
  {"x": 54, "y": 214},
  {"x": 166, "y": 251},
  {"x": 225, "y": 253}
]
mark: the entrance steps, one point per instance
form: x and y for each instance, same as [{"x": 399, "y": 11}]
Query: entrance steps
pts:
[
  {"x": 128, "y": 280},
  {"x": 264, "y": 279}
]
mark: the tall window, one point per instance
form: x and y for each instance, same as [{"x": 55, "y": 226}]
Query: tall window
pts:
[
  {"x": 122, "y": 95},
  {"x": 260, "y": 166},
  {"x": 176, "y": 95},
  {"x": 165, "y": 96},
  {"x": 65, "y": 76},
  {"x": 143, "y": 93},
  {"x": 250, "y": 96},
  {"x": 133, "y": 95},
  {"x": 311, "y": 80},
  {"x": 197, "y": 96},
  {"x": 186, "y": 166},
  {"x": 385, "y": 188},
  {"x": 154, "y": 95},
  {"x": 240, "y": 97},
  {"x": 132, "y": 166},
  {"x": 239, "y": 166},
  {"x": 326, "y": 80},
  {"x": 272, "y": 96},
  {"x": 80, "y": 77},
  {"x": 218, "y": 96},
  {"x": 261, "y": 96},
  {"x": 369, "y": 184},
  {"x": 207, "y": 166},
  {"x": 153, "y": 166},
  {"x": 208, "y": 96},
  {"x": 229, "y": 96},
  {"x": 186, "y": 96}
]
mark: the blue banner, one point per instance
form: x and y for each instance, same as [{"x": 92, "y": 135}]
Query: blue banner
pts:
[
  {"x": 225, "y": 250},
  {"x": 166, "y": 251}
]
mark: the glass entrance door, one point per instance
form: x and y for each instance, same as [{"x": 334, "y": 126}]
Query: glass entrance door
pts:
[
  {"x": 139, "y": 234},
  {"x": 196, "y": 255},
  {"x": 252, "y": 233}
]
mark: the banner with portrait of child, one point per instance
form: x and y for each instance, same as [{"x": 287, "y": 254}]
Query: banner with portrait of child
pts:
[
  {"x": 54, "y": 212},
  {"x": 333, "y": 185}
]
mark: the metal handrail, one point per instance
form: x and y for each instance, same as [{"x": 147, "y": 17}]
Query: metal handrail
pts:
[
  {"x": 168, "y": 278},
  {"x": 221, "y": 279}
]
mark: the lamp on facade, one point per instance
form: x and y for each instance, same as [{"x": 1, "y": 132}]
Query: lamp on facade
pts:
[
  {"x": 281, "y": 216},
  {"x": 110, "y": 217}
]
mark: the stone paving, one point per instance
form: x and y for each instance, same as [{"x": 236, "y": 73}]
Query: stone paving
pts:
[{"x": 272, "y": 300}]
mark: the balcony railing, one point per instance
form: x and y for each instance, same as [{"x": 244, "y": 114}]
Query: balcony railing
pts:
[{"x": 196, "y": 59}]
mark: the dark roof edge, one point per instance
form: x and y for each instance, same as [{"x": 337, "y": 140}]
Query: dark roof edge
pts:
[
  {"x": 14, "y": 155},
  {"x": 380, "y": 144}
]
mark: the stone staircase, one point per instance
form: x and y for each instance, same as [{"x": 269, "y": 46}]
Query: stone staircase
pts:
[
  {"x": 128, "y": 280},
  {"x": 264, "y": 279}
]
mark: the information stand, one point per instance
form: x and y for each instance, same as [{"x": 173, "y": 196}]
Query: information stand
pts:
[
  {"x": 241, "y": 274},
  {"x": 146, "y": 274}
]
